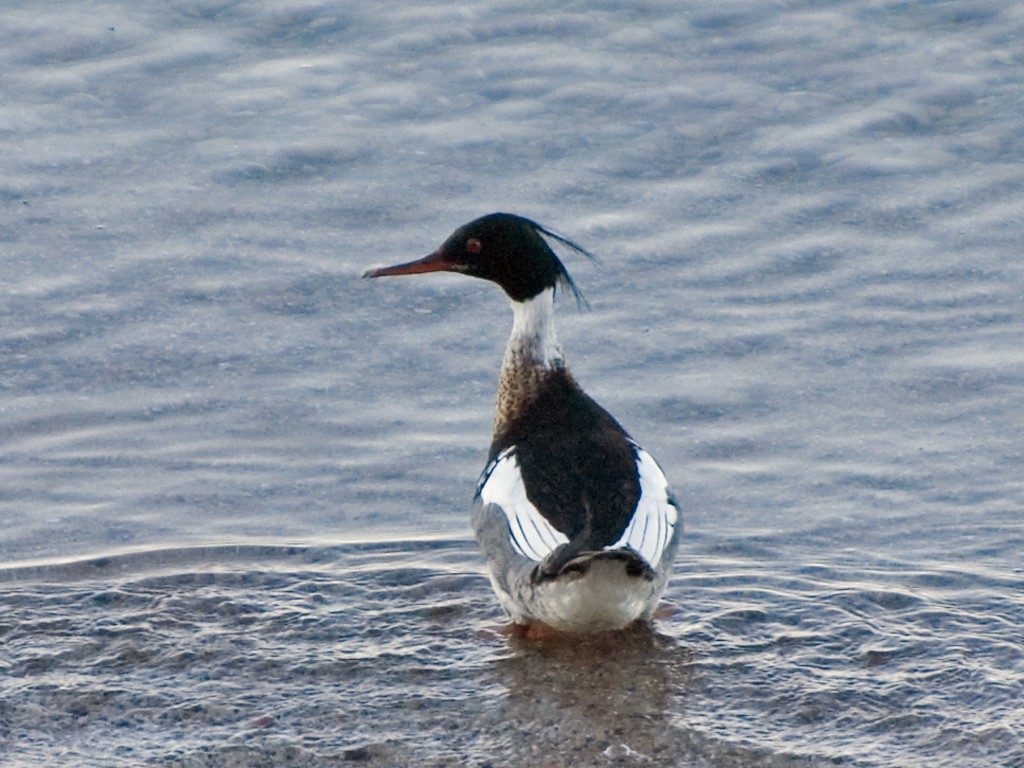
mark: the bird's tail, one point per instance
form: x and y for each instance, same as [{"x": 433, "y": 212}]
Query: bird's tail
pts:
[{"x": 566, "y": 560}]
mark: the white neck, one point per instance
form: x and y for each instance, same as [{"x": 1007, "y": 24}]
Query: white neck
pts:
[
  {"x": 532, "y": 356},
  {"x": 533, "y": 338}
]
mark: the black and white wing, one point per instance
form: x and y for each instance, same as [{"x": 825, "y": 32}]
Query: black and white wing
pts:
[
  {"x": 651, "y": 530},
  {"x": 531, "y": 535}
]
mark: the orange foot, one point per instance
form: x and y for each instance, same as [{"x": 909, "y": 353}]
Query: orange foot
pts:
[
  {"x": 536, "y": 631},
  {"x": 529, "y": 632},
  {"x": 665, "y": 611}
]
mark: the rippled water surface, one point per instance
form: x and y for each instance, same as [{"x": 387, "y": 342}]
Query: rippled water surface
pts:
[
  {"x": 393, "y": 654},
  {"x": 234, "y": 477}
]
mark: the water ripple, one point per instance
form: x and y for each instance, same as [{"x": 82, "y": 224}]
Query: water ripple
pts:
[{"x": 389, "y": 652}]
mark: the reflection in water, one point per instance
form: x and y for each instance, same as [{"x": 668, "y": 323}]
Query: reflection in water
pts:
[
  {"x": 610, "y": 695},
  {"x": 316, "y": 656}
]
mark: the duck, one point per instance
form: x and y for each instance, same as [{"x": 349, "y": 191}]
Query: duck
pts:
[{"x": 576, "y": 522}]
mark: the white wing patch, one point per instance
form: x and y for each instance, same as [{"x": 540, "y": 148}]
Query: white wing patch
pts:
[
  {"x": 655, "y": 518},
  {"x": 532, "y": 535}
]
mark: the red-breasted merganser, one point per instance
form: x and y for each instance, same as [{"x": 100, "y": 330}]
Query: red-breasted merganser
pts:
[{"x": 576, "y": 521}]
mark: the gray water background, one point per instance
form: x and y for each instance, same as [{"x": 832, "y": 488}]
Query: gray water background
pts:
[{"x": 234, "y": 477}]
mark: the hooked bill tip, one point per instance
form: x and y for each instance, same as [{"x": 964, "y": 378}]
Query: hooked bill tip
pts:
[{"x": 434, "y": 262}]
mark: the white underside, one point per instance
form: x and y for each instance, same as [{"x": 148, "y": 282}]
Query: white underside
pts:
[{"x": 604, "y": 598}]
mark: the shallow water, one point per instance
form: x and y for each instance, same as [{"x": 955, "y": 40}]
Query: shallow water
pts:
[
  {"x": 234, "y": 478},
  {"x": 392, "y": 654}
]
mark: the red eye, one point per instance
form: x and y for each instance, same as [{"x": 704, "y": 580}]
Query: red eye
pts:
[{"x": 473, "y": 245}]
